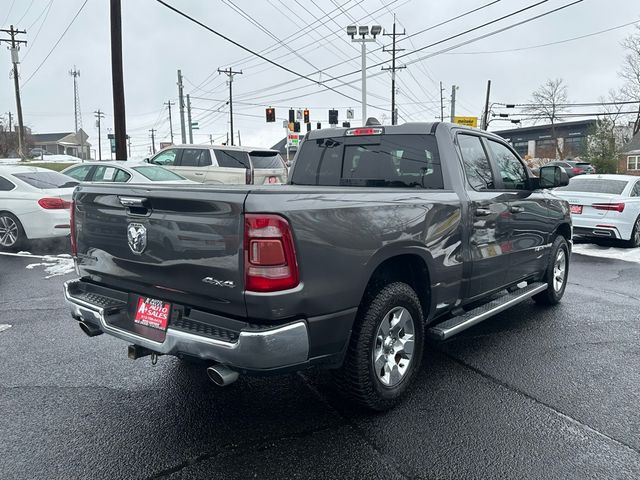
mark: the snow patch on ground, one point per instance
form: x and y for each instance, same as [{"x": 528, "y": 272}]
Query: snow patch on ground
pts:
[
  {"x": 626, "y": 254},
  {"x": 53, "y": 265},
  {"x": 4, "y": 326},
  {"x": 46, "y": 159}
]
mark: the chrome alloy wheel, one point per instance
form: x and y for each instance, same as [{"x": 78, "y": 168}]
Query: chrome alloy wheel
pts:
[
  {"x": 8, "y": 232},
  {"x": 636, "y": 233},
  {"x": 393, "y": 347},
  {"x": 559, "y": 270}
]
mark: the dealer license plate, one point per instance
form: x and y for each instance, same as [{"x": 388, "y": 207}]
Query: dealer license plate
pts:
[
  {"x": 577, "y": 209},
  {"x": 152, "y": 313}
]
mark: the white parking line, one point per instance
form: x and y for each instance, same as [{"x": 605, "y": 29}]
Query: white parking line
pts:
[{"x": 4, "y": 326}]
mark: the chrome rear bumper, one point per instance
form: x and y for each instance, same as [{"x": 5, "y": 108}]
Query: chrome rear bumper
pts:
[{"x": 253, "y": 349}]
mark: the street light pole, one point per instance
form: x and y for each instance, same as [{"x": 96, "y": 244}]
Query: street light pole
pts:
[{"x": 363, "y": 31}]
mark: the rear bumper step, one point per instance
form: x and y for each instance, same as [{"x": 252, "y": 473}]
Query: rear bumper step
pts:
[
  {"x": 250, "y": 348},
  {"x": 455, "y": 325}
]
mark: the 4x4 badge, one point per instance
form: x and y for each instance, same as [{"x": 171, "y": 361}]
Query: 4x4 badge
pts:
[{"x": 137, "y": 237}]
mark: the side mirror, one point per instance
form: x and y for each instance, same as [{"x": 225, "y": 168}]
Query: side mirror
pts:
[
  {"x": 146, "y": 160},
  {"x": 552, "y": 176}
]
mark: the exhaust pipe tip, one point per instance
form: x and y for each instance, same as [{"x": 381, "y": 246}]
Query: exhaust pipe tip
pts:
[
  {"x": 89, "y": 329},
  {"x": 221, "y": 375}
]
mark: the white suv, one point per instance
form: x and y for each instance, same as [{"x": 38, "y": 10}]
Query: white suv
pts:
[{"x": 224, "y": 165}]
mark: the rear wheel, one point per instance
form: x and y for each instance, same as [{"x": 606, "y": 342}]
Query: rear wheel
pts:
[
  {"x": 385, "y": 348},
  {"x": 634, "y": 241},
  {"x": 12, "y": 234},
  {"x": 556, "y": 274}
]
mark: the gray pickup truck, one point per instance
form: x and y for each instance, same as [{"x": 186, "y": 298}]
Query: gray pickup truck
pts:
[{"x": 383, "y": 236}]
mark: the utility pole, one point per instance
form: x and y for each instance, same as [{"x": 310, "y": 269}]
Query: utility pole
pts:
[
  {"x": 189, "y": 119},
  {"x": 230, "y": 73},
  {"x": 211, "y": 139},
  {"x": 153, "y": 141},
  {"x": 363, "y": 31},
  {"x": 441, "y": 103},
  {"x": 181, "y": 102},
  {"x": 393, "y": 68},
  {"x": 10, "y": 120},
  {"x": 168, "y": 104},
  {"x": 76, "y": 109},
  {"x": 453, "y": 102},
  {"x": 239, "y": 142},
  {"x": 129, "y": 145},
  {"x": 99, "y": 116},
  {"x": 485, "y": 114},
  {"x": 117, "y": 78},
  {"x": 15, "y": 48}
]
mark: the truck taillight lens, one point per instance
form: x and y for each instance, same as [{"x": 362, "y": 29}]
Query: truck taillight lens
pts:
[
  {"x": 53, "y": 203},
  {"x": 72, "y": 224},
  {"x": 249, "y": 176},
  {"x": 613, "y": 207},
  {"x": 269, "y": 253}
]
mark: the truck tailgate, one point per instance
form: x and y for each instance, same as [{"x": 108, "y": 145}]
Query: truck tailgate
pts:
[{"x": 167, "y": 242}]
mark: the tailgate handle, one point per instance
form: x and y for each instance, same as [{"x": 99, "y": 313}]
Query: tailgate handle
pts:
[{"x": 135, "y": 205}]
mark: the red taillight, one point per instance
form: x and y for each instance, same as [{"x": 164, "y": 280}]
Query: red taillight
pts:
[
  {"x": 576, "y": 170},
  {"x": 356, "y": 132},
  {"x": 249, "y": 176},
  {"x": 269, "y": 253},
  {"x": 613, "y": 207},
  {"x": 72, "y": 224},
  {"x": 53, "y": 203}
]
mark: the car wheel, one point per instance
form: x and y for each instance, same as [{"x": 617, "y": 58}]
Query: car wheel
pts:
[
  {"x": 12, "y": 234},
  {"x": 385, "y": 349},
  {"x": 556, "y": 274},
  {"x": 634, "y": 241}
]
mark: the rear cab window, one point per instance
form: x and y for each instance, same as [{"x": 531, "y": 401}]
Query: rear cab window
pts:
[
  {"x": 44, "y": 180},
  {"x": 393, "y": 161},
  {"x": 266, "y": 160}
]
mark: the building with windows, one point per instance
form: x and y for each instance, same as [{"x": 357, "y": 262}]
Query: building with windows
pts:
[
  {"x": 67, "y": 143},
  {"x": 537, "y": 142},
  {"x": 629, "y": 159}
]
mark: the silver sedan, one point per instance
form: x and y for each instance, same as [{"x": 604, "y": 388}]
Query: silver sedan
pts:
[{"x": 122, "y": 172}]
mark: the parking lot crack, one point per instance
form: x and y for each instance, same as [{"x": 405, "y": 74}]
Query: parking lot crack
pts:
[{"x": 550, "y": 407}]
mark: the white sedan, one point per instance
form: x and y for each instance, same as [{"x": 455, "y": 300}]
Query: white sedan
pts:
[
  {"x": 34, "y": 203},
  {"x": 122, "y": 172},
  {"x": 604, "y": 206}
]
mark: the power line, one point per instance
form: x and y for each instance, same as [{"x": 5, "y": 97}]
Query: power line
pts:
[
  {"x": 26, "y": 11},
  {"x": 56, "y": 44},
  {"x": 577, "y": 104},
  {"x": 44, "y": 21},
  {"x": 9, "y": 12}
]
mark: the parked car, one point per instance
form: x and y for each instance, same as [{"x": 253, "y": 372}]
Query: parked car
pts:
[
  {"x": 34, "y": 204},
  {"x": 224, "y": 164},
  {"x": 385, "y": 235},
  {"x": 37, "y": 152},
  {"x": 574, "y": 168},
  {"x": 605, "y": 206},
  {"x": 122, "y": 172}
]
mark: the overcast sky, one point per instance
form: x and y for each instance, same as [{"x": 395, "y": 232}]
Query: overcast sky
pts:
[{"x": 157, "y": 42}]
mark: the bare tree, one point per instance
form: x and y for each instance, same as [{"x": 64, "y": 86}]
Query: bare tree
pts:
[
  {"x": 630, "y": 72},
  {"x": 549, "y": 103}
]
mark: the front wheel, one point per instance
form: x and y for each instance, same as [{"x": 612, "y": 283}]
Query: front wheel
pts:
[
  {"x": 556, "y": 274},
  {"x": 385, "y": 349}
]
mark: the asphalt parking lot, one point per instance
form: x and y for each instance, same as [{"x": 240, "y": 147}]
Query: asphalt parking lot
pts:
[{"x": 532, "y": 393}]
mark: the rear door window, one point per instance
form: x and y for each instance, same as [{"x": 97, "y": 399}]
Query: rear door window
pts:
[
  {"x": 476, "y": 163},
  {"x": 195, "y": 157},
  {"x": 232, "y": 159},
  {"x": 266, "y": 160},
  {"x": 400, "y": 161}
]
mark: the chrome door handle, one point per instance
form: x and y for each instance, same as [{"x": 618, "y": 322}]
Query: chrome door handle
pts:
[
  {"x": 198, "y": 173},
  {"x": 516, "y": 209},
  {"x": 482, "y": 212}
]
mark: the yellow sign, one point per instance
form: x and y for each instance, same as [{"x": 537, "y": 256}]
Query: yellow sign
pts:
[{"x": 466, "y": 121}]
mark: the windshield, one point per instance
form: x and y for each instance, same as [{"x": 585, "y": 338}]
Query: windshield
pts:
[
  {"x": 157, "y": 174},
  {"x": 595, "y": 185},
  {"x": 266, "y": 160},
  {"x": 44, "y": 180}
]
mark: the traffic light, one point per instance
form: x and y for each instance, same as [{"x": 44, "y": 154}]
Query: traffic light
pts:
[
  {"x": 305, "y": 115},
  {"x": 291, "y": 126},
  {"x": 296, "y": 126},
  {"x": 308, "y": 127},
  {"x": 318, "y": 125},
  {"x": 292, "y": 115},
  {"x": 333, "y": 117},
  {"x": 271, "y": 114},
  {"x": 346, "y": 124}
]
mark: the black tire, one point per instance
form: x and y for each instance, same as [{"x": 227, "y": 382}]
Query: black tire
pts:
[
  {"x": 552, "y": 295},
  {"x": 357, "y": 378},
  {"x": 16, "y": 239},
  {"x": 634, "y": 241}
]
